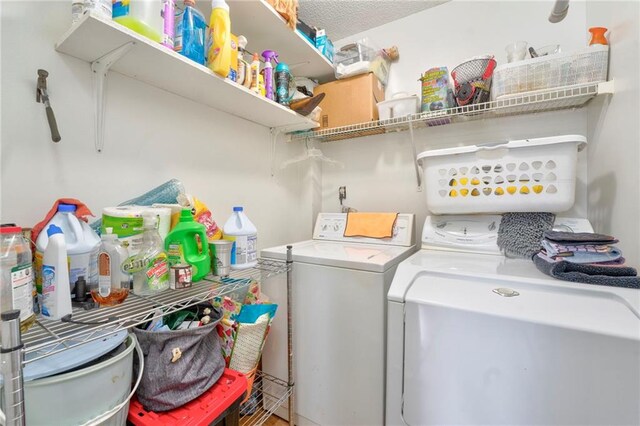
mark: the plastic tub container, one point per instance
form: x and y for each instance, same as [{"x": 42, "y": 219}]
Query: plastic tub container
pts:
[
  {"x": 531, "y": 175},
  {"x": 400, "y": 105},
  {"x": 548, "y": 72},
  {"x": 81, "y": 396}
]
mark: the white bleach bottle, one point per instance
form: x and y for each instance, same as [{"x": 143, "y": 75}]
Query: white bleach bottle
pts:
[
  {"x": 243, "y": 233},
  {"x": 56, "y": 294},
  {"x": 82, "y": 245}
]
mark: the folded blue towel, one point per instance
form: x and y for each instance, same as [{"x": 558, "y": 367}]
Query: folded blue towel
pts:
[{"x": 614, "y": 276}]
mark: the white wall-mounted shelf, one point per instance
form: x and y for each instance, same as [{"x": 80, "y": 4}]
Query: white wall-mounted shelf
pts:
[
  {"x": 265, "y": 29},
  {"x": 93, "y": 37},
  {"x": 523, "y": 103}
]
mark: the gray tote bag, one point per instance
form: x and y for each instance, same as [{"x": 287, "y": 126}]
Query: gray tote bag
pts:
[{"x": 179, "y": 365}]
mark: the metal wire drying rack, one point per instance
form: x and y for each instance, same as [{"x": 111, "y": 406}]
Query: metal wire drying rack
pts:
[
  {"x": 523, "y": 103},
  {"x": 50, "y": 337}
]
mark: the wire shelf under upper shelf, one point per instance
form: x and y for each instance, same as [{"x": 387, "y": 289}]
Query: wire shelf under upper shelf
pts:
[
  {"x": 523, "y": 103},
  {"x": 267, "y": 395},
  {"x": 48, "y": 337}
]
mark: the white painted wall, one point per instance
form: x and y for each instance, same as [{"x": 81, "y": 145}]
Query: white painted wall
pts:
[
  {"x": 614, "y": 130},
  {"x": 379, "y": 172},
  {"x": 151, "y": 136}
]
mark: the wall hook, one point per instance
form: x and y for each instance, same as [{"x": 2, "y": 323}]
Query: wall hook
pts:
[{"x": 42, "y": 96}]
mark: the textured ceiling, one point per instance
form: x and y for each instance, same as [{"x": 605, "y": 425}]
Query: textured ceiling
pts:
[{"x": 342, "y": 18}]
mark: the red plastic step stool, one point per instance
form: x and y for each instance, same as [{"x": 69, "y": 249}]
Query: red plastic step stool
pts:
[{"x": 220, "y": 403}]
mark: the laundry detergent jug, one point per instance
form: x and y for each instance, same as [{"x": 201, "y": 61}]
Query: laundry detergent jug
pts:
[
  {"x": 243, "y": 233},
  {"x": 82, "y": 245},
  {"x": 187, "y": 244}
]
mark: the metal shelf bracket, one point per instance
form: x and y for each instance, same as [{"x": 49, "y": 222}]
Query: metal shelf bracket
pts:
[
  {"x": 414, "y": 151},
  {"x": 99, "y": 69},
  {"x": 274, "y": 132}
]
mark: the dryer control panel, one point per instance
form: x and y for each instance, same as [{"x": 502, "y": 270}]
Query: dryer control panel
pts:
[{"x": 331, "y": 226}]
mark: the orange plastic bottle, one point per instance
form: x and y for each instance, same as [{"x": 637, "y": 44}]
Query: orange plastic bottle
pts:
[{"x": 597, "y": 36}]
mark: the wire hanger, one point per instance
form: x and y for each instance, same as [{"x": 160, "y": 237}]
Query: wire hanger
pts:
[{"x": 311, "y": 154}]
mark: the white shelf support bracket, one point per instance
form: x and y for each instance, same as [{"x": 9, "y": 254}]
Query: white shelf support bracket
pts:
[
  {"x": 414, "y": 151},
  {"x": 99, "y": 69},
  {"x": 275, "y": 132},
  {"x": 606, "y": 88}
]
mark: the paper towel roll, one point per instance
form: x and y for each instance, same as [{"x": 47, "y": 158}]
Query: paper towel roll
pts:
[
  {"x": 176, "y": 209},
  {"x": 133, "y": 227},
  {"x": 126, "y": 222},
  {"x": 164, "y": 219}
]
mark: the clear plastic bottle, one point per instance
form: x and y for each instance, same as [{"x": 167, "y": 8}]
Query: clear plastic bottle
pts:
[
  {"x": 190, "y": 34},
  {"x": 150, "y": 267},
  {"x": 110, "y": 260},
  {"x": 77, "y": 10},
  {"x": 102, "y": 8},
  {"x": 16, "y": 275}
]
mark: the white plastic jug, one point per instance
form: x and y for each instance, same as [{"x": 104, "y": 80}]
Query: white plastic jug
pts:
[
  {"x": 82, "y": 247},
  {"x": 243, "y": 233}
]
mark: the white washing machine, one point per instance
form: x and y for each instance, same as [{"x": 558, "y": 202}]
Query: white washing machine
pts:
[
  {"x": 481, "y": 339},
  {"x": 339, "y": 321}
]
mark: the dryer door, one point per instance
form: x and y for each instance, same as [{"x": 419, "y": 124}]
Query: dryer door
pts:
[{"x": 526, "y": 354}]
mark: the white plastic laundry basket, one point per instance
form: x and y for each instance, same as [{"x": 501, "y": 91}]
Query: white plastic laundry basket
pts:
[
  {"x": 531, "y": 175},
  {"x": 547, "y": 72}
]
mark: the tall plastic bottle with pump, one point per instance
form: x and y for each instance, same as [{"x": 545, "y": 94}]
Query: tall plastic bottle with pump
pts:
[
  {"x": 243, "y": 233},
  {"x": 82, "y": 245},
  {"x": 269, "y": 55},
  {"x": 56, "y": 294},
  {"x": 16, "y": 275},
  {"x": 150, "y": 267},
  {"x": 219, "y": 54},
  {"x": 111, "y": 258}
]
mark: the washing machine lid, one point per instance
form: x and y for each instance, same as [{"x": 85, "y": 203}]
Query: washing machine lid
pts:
[
  {"x": 594, "y": 309},
  {"x": 474, "y": 282},
  {"x": 357, "y": 256},
  {"x": 511, "y": 334}
]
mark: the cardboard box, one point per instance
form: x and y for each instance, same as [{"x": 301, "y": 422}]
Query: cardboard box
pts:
[{"x": 350, "y": 101}]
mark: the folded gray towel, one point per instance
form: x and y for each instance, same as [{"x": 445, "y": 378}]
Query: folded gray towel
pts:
[
  {"x": 519, "y": 234},
  {"x": 613, "y": 276}
]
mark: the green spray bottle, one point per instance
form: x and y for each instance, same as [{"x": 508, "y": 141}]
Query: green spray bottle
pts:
[{"x": 182, "y": 245}]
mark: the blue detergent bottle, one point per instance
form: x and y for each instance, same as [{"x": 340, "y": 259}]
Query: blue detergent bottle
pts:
[{"x": 190, "y": 33}]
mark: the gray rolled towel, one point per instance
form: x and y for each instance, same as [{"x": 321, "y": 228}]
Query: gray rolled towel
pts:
[
  {"x": 519, "y": 234},
  {"x": 614, "y": 276}
]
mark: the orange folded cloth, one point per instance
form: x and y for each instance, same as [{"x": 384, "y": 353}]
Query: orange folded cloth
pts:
[{"x": 372, "y": 225}]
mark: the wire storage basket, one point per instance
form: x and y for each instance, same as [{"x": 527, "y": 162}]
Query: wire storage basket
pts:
[
  {"x": 531, "y": 175},
  {"x": 547, "y": 72},
  {"x": 472, "y": 80}
]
